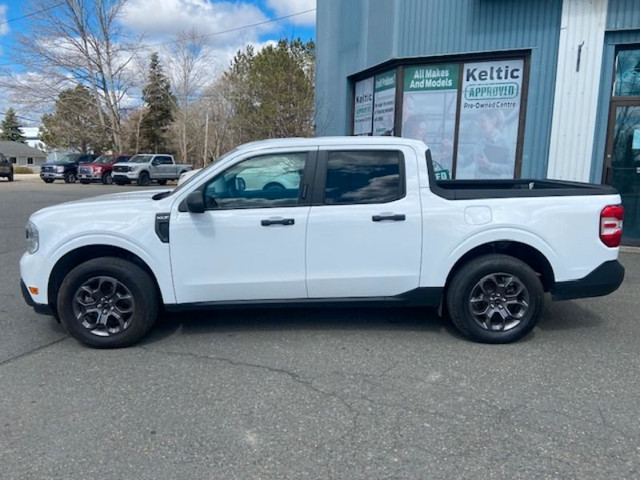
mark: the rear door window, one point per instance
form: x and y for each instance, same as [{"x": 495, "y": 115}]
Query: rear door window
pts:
[{"x": 362, "y": 177}]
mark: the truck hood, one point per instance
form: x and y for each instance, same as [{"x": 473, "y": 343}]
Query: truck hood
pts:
[{"x": 117, "y": 204}]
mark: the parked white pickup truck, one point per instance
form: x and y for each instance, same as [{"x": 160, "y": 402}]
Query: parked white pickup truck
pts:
[
  {"x": 143, "y": 169},
  {"x": 365, "y": 222}
]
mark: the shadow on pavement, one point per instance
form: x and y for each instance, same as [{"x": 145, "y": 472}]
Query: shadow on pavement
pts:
[{"x": 298, "y": 319}]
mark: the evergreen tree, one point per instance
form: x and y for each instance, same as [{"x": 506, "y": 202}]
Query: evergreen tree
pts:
[
  {"x": 158, "y": 114},
  {"x": 11, "y": 127},
  {"x": 272, "y": 90},
  {"x": 74, "y": 124}
]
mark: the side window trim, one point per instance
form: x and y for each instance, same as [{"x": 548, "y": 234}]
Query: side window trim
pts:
[
  {"x": 320, "y": 179},
  {"x": 306, "y": 188}
]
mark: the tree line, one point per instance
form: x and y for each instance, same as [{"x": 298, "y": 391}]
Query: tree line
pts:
[{"x": 83, "y": 63}]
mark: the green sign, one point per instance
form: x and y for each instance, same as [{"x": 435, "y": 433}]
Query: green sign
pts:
[
  {"x": 385, "y": 81},
  {"x": 427, "y": 78}
]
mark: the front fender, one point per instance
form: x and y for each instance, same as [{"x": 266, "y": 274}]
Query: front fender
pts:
[{"x": 154, "y": 254}]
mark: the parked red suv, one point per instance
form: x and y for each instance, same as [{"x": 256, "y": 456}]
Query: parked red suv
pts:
[{"x": 100, "y": 169}]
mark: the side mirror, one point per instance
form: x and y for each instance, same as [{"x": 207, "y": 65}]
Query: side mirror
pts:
[
  {"x": 155, "y": 162},
  {"x": 195, "y": 202},
  {"x": 241, "y": 185}
]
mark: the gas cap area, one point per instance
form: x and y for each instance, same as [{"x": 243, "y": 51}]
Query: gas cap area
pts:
[{"x": 477, "y": 215}]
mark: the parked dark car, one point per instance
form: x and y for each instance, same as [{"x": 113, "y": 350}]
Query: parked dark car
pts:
[
  {"x": 66, "y": 168},
  {"x": 6, "y": 168},
  {"x": 100, "y": 170}
]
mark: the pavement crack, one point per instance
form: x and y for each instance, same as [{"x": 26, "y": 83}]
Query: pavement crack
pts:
[
  {"x": 281, "y": 371},
  {"x": 30, "y": 352}
]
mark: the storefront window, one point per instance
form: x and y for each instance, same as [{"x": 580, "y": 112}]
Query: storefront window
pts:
[
  {"x": 627, "y": 82},
  {"x": 384, "y": 110},
  {"x": 363, "y": 114},
  {"x": 429, "y": 109},
  {"x": 468, "y": 113},
  {"x": 489, "y": 119}
]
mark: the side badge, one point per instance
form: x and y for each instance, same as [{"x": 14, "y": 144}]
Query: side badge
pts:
[{"x": 162, "y": 226}]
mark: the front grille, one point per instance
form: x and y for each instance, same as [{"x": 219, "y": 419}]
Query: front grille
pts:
[
  {"x": 48, "y": 169},
  {"x": 120, "y": 168},
  {"x": 85, "y": 170}
]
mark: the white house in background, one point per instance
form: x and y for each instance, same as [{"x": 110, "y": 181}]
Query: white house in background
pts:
[
  {"x": 31, "y": 135},
  {"x": 22, "y": 154}
]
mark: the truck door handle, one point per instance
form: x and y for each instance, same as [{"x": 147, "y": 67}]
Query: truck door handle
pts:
[
  {"x": 392, "y": 217},
  {"x": 277, "y": 221}
]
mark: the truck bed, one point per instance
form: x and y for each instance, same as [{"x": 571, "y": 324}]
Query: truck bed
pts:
[{"x": 479, "y": 189}]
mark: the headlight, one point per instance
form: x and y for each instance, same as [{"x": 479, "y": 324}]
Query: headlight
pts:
[
  {"x": 33, "y": 238},
  {"x": 59, "y": 169}
]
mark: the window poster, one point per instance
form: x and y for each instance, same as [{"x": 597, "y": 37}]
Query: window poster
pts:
[
  {"x": 384, "y": 108},
  {"x": 429, "y": 110},
  {"x": 489, "y": 119},
  {"x": 363, "y": 112}
]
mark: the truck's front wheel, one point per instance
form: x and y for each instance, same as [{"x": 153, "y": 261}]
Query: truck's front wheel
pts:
[
  {"x": 108, "y": 303},
  {"x": 144, "y": 179},
  {"x": 495, "y": 299}
]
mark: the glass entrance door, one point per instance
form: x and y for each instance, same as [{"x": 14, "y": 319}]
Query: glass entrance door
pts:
[{"x": 622, "y": 169}]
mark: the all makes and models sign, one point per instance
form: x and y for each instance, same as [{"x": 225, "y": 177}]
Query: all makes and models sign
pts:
[
  {"x": 384, "y": 109},
  {"x": 420, "y": 79},
  {"x": 489, "y": 118},
  {"x": 363, "y": 111}
]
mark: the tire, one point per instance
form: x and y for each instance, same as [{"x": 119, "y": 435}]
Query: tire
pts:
[
  {"x": 69, "y": 177},
  {"x": 144, "y": 179},
  {"x": 47, "y": 180},
  {"x": 495, "y": 299},
  {"x": 273, "y": 187},
  {"x": 162, "y": 182},
  {"x": 107, "y": 178},
  {"x": 105, "y": 283}
]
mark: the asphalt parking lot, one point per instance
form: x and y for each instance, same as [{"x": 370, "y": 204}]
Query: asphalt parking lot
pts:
[{"x": 326, "y": 393}]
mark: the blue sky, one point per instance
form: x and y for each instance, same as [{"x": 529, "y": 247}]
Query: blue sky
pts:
[{"x": 160, "y": 20}]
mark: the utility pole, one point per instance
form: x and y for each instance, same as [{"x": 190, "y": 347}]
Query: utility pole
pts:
[{"x": 206, "y": 139}]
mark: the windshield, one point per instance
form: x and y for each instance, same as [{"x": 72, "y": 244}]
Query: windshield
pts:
[
  {"x": 141, "y": 159},
  {"x": 67, "y": 159},
  {"x": 105, "y": 159},
  {"x": 199, "y": 174}
]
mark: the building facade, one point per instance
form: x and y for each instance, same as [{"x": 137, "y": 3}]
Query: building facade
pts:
[
  {"x": 496, "y": 88},
  {"x": 21, "y": 154}
]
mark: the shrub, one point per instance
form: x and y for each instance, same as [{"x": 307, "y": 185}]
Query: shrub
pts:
[{"x": 21, "y": 169}]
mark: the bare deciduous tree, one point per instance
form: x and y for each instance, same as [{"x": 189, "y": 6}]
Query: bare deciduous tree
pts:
[{"x": 75, "y": 41}]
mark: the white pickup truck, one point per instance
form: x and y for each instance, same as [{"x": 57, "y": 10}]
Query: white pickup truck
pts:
[
  {"x": 146, "y": 168},
  {"x": 358, "y": 221}
]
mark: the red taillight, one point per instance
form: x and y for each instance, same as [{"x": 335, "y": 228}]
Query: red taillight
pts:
[{"x": 611, "y": 219}]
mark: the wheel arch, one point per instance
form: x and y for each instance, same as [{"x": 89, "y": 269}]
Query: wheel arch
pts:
[
  {"x": 79, "y": 255},
  {"x": 538, "y": 262}
]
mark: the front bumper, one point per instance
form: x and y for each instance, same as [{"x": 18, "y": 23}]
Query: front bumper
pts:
[
  {"x": 602, "y": 281},
  {"x": 124, "y": 176},
  {"x": 37, "y": 307},
  {"x": 92, "y": 177},
  {"x": 53, "y": 175}
]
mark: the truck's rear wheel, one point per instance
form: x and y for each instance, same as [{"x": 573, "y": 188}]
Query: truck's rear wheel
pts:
[
  {"x": 495, "y": 299},
  {"x": 108, "y": 303}
]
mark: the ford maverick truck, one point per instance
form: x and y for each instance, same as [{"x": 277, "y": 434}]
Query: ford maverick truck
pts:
[
  {"x": 353, "y": 220},
  {"x": 144, "y": 169}
]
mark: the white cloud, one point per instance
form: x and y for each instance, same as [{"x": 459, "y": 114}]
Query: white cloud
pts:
[
  {"x": 164, "y": 18},
  {"x": 4, "y": 26},
  {"x": 289, "y": 7}
]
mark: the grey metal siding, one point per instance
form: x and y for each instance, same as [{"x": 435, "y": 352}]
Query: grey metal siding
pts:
[
  {"x": 418, "y": 28},
  {"x": 623, "y": 15}
]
